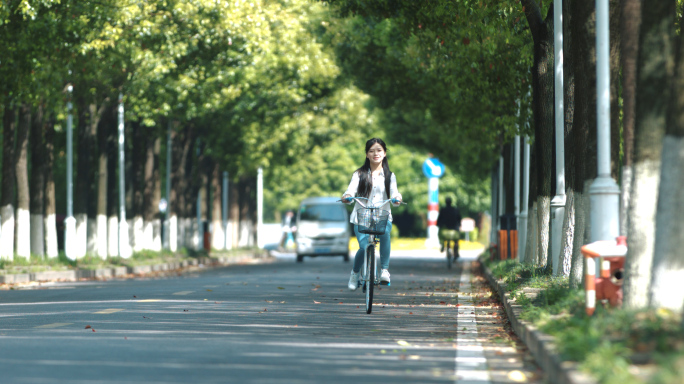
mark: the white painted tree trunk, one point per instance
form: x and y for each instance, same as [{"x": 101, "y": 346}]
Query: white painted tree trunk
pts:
[
  {"x": 582, "y": 203},
  {"x": 138, "y": 234},
  {"x": 246, "y": 233},
  {"x": 544, "y": 218},
  {"x": 93, "y": 238},
  {"x": 51, "y": 245},
  {"x": 7, "y": 232},
  {"x": 173, "y": 233},
  {"x": 218, "y": 239},
  {"x": 152, "y": 235},
  {"x": 568, "y": 234},
  {"x": 667, "y": 280},
  {"x": 641, "y": 233},
  {"x": 625, "y": 196},
  {"x": 23, "y": 233},
  {"x": 102, "y": 236},
  {"x": 81, "y": 240},
  {"x": 37, "y": 235},
  {"x": 532, "y": 234},
  {"x": 147, "y": 235},
  {"x": 113, "y": 236}
]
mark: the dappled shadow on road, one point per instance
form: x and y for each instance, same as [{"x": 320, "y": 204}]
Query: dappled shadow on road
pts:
[{"x": 288, "y": 322}]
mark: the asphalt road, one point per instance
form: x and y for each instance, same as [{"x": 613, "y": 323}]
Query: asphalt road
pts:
[{"x": 277, "y": 322}]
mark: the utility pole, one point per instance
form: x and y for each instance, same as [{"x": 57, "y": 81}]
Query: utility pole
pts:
[
  {"x": 260, "y": 208},
  {"x": 604, "y": 191},
  {"x": 224, "y": 211},
  {"x": 124, "y": 246},
  {"x": 70, "y": 221},
  {"x": 558, "y": 201}
]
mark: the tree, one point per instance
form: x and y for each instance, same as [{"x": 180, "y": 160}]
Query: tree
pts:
[
  {"x": 655, "y": 66},
  {"x": 668, "y": 263}
]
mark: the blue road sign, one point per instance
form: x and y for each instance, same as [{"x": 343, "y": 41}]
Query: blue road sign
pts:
[{"x": 432, "y": 167}]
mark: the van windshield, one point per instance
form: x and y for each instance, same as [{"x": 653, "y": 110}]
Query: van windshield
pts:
[{"x": 322, "y": 212}]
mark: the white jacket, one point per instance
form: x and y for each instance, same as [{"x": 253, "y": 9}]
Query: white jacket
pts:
[{"x": 377, "y": 194}]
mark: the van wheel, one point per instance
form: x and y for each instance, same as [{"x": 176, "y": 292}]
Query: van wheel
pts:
[{"x": 300, "y": 258}]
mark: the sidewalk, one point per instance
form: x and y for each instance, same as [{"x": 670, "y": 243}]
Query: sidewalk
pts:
[{"x": 541, "y": 346}]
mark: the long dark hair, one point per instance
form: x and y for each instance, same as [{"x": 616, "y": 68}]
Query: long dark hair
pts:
[{"x": 365, "y": 180}]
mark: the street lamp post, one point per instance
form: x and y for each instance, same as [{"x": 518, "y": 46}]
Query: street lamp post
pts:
[
  {"x": 558, "y": 201},
  {"x": 124, "y": 246},
  {"x": 604, "y": 192},
  {"x": 70, "y": 221}
]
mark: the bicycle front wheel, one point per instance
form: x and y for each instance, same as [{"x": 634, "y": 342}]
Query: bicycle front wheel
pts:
[
  {"x": 370, "y": 274},
  {"x": 448, "y": 255}
]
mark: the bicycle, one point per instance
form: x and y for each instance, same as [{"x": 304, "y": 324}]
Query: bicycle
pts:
[
  {"x": 372, "y": 221},
  {"x": 450, "y": 235}
]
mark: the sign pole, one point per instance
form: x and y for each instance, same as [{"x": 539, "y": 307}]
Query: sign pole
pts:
[{"x": 433, "y": 169}]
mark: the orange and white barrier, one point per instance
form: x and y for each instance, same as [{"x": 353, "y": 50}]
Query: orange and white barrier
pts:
[{"x": 611, "y": 256}]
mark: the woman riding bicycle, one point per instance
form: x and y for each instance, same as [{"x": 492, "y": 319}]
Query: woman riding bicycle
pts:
[{"x": 376, "y": 182}]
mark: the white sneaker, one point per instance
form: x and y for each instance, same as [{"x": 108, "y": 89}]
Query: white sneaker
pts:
[
  {"x": 354, "y": 281},
  {"x": 385, "y": 276}
]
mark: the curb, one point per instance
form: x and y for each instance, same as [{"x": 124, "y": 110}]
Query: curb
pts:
[
  {"x": 123, "y": 271},
  {"x": 542, "y": 346}
]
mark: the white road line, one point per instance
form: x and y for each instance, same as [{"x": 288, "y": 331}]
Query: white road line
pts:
[
  {"x": 183, "y": 293},
  {"x": 53, "y": 325},
  {"x": 108, "y": 311},
  {"x": 470, "y": 362}
]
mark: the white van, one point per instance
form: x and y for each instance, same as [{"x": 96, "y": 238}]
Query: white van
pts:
[{"x": 323, "y": 228}]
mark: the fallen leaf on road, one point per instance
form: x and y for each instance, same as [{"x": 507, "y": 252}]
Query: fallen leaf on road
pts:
[
  {"x": 87, "y": 327},
  {"x": 403, "y": 343},
  {"x": 316, "y": 302},
  {"x": 281, "y": 288},
  {"x": 410, "y": 313},
  {"x": 209, "y": 290},
  {"x": 93, "y": 329}
]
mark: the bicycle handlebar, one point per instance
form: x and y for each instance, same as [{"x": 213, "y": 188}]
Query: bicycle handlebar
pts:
[{"x": 349, "y": 200}]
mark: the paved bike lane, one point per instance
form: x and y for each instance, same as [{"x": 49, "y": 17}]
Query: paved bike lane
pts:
[{"x": 285, "y": 322}]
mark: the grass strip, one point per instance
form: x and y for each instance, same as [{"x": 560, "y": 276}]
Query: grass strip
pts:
[
  {"x": 615, "y": 345},
  {"x": 38, "y": 263}
]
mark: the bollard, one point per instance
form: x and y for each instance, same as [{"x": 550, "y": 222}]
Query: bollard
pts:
[{"x": 611, "y": 256}]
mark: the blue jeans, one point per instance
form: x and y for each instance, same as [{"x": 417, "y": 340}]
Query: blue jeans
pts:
[{"x": 363, "y": 242}]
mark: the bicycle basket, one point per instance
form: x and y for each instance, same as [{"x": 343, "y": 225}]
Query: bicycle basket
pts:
[{"x": 372, "y": 221}]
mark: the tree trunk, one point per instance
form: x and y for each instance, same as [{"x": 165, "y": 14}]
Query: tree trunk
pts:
[
  {"x": 182, "y": 144},
  {"x": 112, "y": 151},
  {"x": 542, "y": 88},
  {"x": 173, "y": 193},
  {"x": 106, "y": 123},
  {"x": 151, "y": 195},
  {"x": 668, "y": 260},
  {"x": 234, "y": 214},
  {"x": 615, "y": 7},
  {"x": 37, "y": 186},
  {"x": 532, "y": 242},
  {"x": 630, "y": 19},
  {"x": 138, "y": 154},
  {"x": 217, "y": 236},
  {"x": 51, "y": 243},
  {"x": 88, "y": 119},
  {"x": 582, "y": 138},
  {"x": 247, "y": 211},
  {"x": 655, "y": 70},
  {"x": 23, "y": 226},
  {"x": 568, "y": 231}
]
